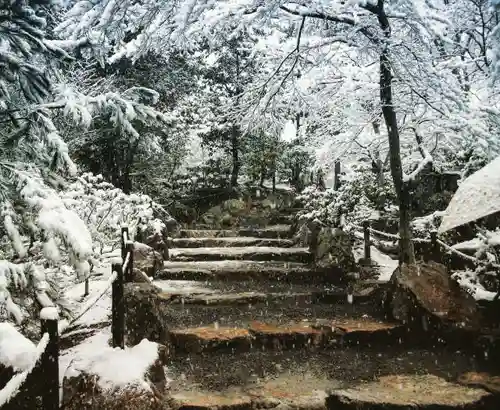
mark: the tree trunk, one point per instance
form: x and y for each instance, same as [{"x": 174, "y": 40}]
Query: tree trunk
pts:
[
  {"x": 262, "y": 178},
  {"x": 407, "y": 253},
  {"x": 126, "y": 182},
  {"x": 235, "y": 154},
  {"x": 379, "y": 165}
]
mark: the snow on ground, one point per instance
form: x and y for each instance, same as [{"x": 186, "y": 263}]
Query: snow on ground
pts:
[
  {"x": 490, "y": 238},
  {"x": 114, "y": 367},
  {"x": 466, "y": 280},
  {"x": 386, "y": 264},
  {"x": 101, "y": 311}
]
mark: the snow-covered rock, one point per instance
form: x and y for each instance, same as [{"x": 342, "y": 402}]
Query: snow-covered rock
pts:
[
  {"x": 477, "y": 197},
  {"x": 147, "y": 259},
  {"x": 146, "y": 313},
  {"x": 103, "y": 377},
  {"x": 334, "y": 248}
]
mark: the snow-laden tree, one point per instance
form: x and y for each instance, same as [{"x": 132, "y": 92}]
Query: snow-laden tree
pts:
[
  {"x": 227, "y": 68},
  {"x": 33, "y": 153},
  {"x": 419, "y": 68},
  {"x": 115, "y": 151}
]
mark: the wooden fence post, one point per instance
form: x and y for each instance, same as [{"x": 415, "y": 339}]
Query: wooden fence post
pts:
[
  {"x": 366, "y": 234},
  {"x": 129, "y": 272},
  {"x": 336, "y": 181},
  {"x": 124, "y": 245},
  {"x": 87, "y": 287},
  {"x": 435, "y": 250},
  {"x": 49, "y": 362},
  {"x": 166, "y": 253},
  {"x": 117, "y": 308}
]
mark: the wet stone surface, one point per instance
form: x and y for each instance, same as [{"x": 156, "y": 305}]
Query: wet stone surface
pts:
[
  {"x": 314, "y": 370},
  {"x": 396, "y": 392}
]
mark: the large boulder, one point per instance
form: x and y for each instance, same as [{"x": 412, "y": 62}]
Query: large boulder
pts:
[
  {"x": 115, "y": 379},
  {"x": 212, "y": 216},
  {"x": 302, "y": 236},
  {"x": 147, "y": 259},
  {"x": 235, "y": 207},
  {"x": 425, "y": 294},
  {"x": 334, "y": 248},
  {"x": 146, "y": 314},
  {"x": 156, "y": 238}
]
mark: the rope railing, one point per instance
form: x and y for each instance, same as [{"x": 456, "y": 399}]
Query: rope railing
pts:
[
  {"x": 388, "y": 235},
  {"x": 434, "y": 241},
  {"x": 470, "y": 258},
  {"x": 115, "y": 282},
  {"x": 89, "y": 305},
  {"x": 126, "y": 262}
]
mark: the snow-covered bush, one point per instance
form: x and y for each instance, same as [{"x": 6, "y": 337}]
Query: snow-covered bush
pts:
[
  {"x": 105, "y": 209},
  {"x": 213, "y": 173},
  {"x": 359, "y": 198},
  {"x": 71, "y": 225}
]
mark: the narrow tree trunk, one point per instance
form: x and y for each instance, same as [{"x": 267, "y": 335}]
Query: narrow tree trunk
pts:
[
  {"x": 379, "y": 165},
  {"x": 262, "y": 178},
  {"x": 126, "y": 182},
  {"x": 407, "y": 253},
  {"x": 235, "y": 154}
]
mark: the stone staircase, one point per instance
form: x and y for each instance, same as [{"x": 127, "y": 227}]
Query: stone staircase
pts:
[{"x": 253, "y": 325}]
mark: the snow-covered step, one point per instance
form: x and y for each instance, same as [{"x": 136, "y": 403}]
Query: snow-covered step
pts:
[
  {"x": 273, "y": 231},
  {"x": 285, "y": 219},
  {"x": 227, "y": 293},
  {"x": 221, "y": 293},
  {"x": 207, "y": 233},
  {"x": 236, "y": 241},
  {"x": 236, "y": 270},
  {"x": 255, "y": 253}
]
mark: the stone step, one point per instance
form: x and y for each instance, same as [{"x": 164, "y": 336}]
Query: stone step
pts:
[
  {"x": 264, "y": 253},
  {"x": 188, "y": 304},
  {"x": 223, "y": 293},
  {"x": 400, "y": 392},
  {"x": 276, "y": 232},
  {"x": 291, "y": 211},
  {"x": 394, "y": 378},
  {"x": 282, "y": 219},
  {"x": 227, "y": 242},
  {"x": 272, "y": 231},
  {"x": 234, "y": 270},
  {"x": 336, "y": 332}
]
